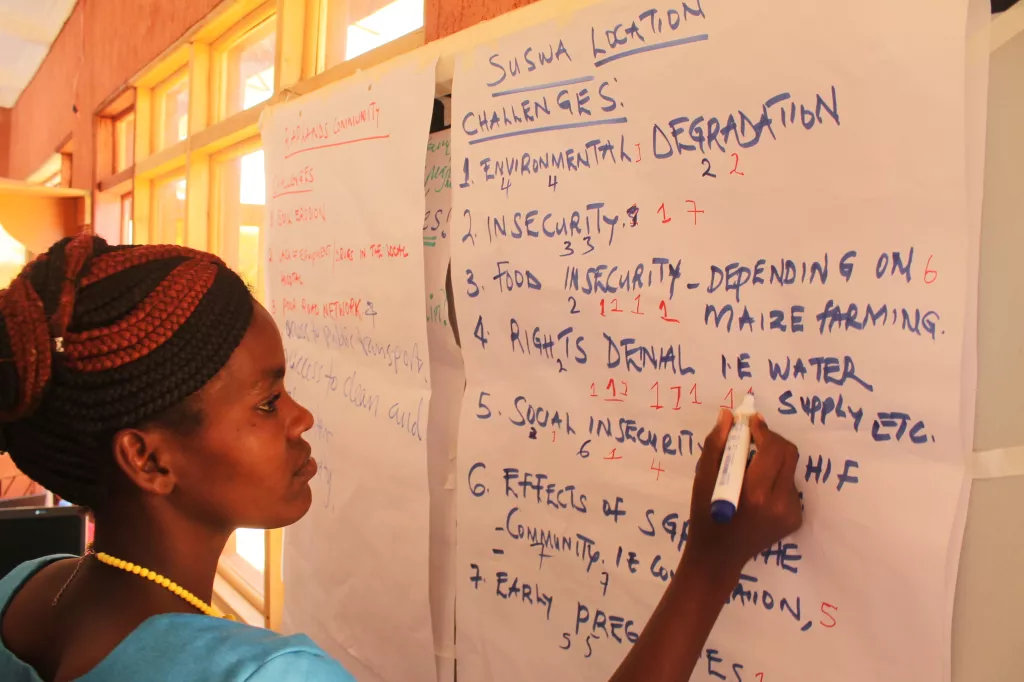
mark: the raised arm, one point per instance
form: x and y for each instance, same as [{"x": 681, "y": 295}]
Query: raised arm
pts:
[{"x": 714, "y": 555}]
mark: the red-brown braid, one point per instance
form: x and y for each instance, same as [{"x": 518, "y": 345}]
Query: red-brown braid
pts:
[
  {"x": 28, "y": 340},
  {"x": 147, "y": 327},
  {"x": 95, "y": 338}
]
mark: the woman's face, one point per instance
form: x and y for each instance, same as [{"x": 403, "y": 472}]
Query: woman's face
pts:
[{"x": 247, "y": 465}]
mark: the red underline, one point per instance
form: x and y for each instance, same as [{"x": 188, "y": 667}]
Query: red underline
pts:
[
  {"x": 337, "y": 144},
  {"x": 294, "y": 191}
]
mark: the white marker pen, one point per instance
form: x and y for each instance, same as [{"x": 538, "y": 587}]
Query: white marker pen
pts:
[{"x": 726, "y": 497}]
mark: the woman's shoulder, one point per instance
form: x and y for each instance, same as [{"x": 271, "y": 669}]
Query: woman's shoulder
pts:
[
  {"x": 185, "y": 646},
  {"x": 13, "y": 581}
]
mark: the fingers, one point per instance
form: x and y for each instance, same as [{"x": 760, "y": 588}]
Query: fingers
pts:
[
  {"x": 714, "y": 444},
  {"x": 765, "y": 467},
  {"x": 711, "y": 456}
]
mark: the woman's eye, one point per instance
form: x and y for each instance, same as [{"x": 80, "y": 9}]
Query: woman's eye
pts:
[{"x": 270, "y": 406}]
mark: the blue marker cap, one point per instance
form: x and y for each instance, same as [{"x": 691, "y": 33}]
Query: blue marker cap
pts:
[{"x": 722, "y": 511}]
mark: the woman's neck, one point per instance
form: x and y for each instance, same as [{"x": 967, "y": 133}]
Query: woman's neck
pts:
[{"x": 184, "y": 553}]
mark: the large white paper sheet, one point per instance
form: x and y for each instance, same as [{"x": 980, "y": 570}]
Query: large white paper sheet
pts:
[
  {"x": 657, "y": 208},
  {"x": 447, "y": 382},
  {"x": 346, "y": 286}
]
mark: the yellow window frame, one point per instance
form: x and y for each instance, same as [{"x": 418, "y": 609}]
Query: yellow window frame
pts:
[{"x": 252, "y": 28}]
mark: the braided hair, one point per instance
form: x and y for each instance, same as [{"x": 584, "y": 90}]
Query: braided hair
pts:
[{"x": 97, "y": 338}]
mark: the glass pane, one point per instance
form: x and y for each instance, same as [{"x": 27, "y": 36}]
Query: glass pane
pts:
[
  {"x": 385, "y": 23},
  {"x": 176, "y": 114},
  {"x": 127, "y": 220},
  {"x": 245, "y": 196},
  {"x": 124, "y": 142},
  {"x": 169, "y": 197},
  {"x": 12, "y": 258},
  {"x": 250, "y": 545},
  {"x": 250, "y": 65}
]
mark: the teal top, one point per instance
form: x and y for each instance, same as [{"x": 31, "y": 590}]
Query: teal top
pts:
[{"x": 181, "y": 646}]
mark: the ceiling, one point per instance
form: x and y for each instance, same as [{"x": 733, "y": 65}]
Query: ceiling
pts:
[{"x": 27, "y": 28}]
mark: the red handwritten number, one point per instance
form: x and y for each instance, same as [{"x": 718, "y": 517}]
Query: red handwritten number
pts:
[
  {"x": 637, "y": 152},
  {"x": 693, "y": 392},
  {"x": 728, "y": 398},
  {"x": 679, "y": 396},
  {"x": 611, "y": 387},
  {"x": 658, "y": 469},
  {"x": 825, "y": 605},
  {"x": 664, "y": 215},
  {"x": 612, "y": 455},
  {"x": 657, "y": 397},
  {"x": 593, "y": 390},
  {"x": 760, "y": 677},
  {"x": 637, "y": 311},
  {"x": 735, "y": 167},
  {"x": 928, "y": 271},
  {"x": 694, "y": 210},
  {"x": 614, "y": 307},
  {"x": 664, "y": 313}
]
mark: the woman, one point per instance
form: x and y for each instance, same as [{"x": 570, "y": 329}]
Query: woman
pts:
[{"x": 145, "y": 383}]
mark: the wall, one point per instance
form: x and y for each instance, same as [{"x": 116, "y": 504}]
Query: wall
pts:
[
  {"x": 445, "y": 17},
  {"x": 5, "y": 141},
  {"x": 102, "y": 45},
  {"x": 105, "y": 42}
]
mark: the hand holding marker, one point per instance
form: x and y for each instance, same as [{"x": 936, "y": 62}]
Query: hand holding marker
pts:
[{"x": 726, "y": 497}]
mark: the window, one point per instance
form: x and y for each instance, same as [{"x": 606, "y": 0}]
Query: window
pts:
[
  {"x": 358, "y": 26},
  {"x": 241, "y": 195},
  {"x": 250, "y": 545},
  {"x": 244, "y": 558},
  {"x": 50, "y": 174},
  {"x": 12, "y": 258},
  {"x": 247, "y": 64},
  {"x": 170, "y": 125},
  {"x": 124, "y": 141},
  {"x": 127, "y": 225},
  {"x": 169, "y": 211}
]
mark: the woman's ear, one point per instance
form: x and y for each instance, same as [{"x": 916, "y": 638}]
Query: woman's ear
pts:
[{"x": 143, "y": 457}]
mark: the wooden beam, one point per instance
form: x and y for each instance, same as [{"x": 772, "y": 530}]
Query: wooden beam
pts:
[
  {"x": 198, "y": 88},
  {"x": 103, "y": 150},
  {"x": 120, "y": 101},
  {"x": 197, "y": 202},
  {"x": 142, "y": 210},
  {"x": 164, "y": 161},
  {"x": 243, "y": 125},
  {"x": 65, "y": 169},
  {"x": 291, "y": 29},
  {"x": 118, "y": 183},
  {"x": 273, "y": 579},
  {"x": 174, "y": 59},
  {"x": 314, "y": 45},
  {"x": 143, "y": 124}
]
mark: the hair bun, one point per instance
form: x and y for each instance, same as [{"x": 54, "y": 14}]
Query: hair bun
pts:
[
  {"x": 35, "y": 310},
  {"x": 25, "y": 357}
]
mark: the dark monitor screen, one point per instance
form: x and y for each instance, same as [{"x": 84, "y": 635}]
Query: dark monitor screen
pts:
[{"x": 27, "y": 534}]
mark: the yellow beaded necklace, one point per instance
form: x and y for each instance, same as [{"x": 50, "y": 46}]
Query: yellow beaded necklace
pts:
[{"x": 199, "y": 604}]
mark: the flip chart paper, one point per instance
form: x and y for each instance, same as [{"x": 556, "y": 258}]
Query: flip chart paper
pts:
[
  {"x": 658, "y": 208},
  {"x": 346, "y": 287}
]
